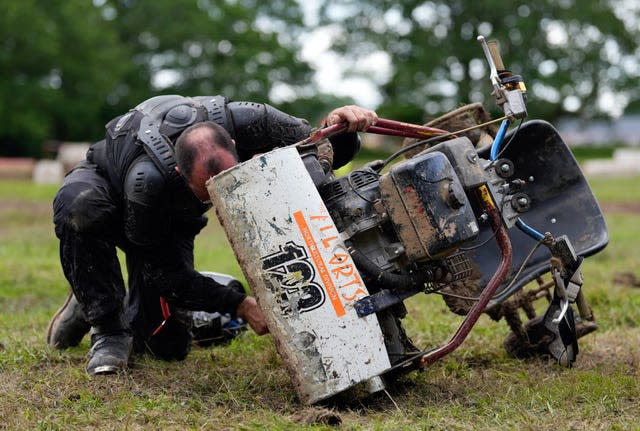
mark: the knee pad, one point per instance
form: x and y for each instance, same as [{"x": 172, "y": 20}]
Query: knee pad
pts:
[{"x": 83, "y": 207}]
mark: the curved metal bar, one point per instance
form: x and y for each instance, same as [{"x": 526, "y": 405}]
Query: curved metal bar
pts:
[
  {"x": 413, "y": 129},
  {"x": 382, "y": 127},
  {"x": 506, "y": 254}
]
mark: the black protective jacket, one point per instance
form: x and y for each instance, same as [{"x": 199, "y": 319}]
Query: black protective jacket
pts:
[{"x": 158, "y": 209}]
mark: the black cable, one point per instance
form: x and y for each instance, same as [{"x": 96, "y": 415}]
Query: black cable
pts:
[
  {"x": 502, "y": 204},
  {"x": 401, "y": 151},
  {"x": 515, "y": 277},
  {"x": 493, "y": 234}
]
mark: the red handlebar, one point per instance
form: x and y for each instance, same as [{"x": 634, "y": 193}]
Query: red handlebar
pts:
[{"x": 382, "y": 127}]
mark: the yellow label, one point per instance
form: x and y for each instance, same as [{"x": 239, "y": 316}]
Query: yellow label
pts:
[{"x": 485, "y": 196}]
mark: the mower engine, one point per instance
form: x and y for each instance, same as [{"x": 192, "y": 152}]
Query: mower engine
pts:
[{"x": 404, "y": 228}]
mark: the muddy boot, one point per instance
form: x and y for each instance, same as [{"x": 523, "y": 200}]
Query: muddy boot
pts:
[
  {"x": 111, "y": 348},
  {"x": 68, "y": 326}
]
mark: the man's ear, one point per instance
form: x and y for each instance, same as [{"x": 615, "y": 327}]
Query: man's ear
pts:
[
  {"x": 177, "y": 168},
  {"x": 234, "y": 142}
]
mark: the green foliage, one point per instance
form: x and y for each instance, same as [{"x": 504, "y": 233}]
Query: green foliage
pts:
[
  {"x": 241, "y": 49},
  {"x": 68, "y": 67},
  {"x": 59, "y": 61},
  {"x": 566, "y": 50},
  {"x": 583, "y": 153}
]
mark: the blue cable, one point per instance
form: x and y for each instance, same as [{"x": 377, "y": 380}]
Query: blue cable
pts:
[
  {"x": 529, "y": 230},
  {"x": 493, "y": 155},
  {"x": 497, "y": 142}
]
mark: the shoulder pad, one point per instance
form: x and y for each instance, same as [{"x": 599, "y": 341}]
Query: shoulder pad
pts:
[
  {"x": 181, "y": 116},
  {"x": 216, "y": 107},
  {"x": 158, "y": 148},
  {"x": 157, "y": 106},
  {"x": 143, "y": 183}
]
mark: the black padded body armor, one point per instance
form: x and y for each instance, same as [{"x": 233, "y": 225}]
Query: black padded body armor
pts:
[
  {"x": 140, "y": 142},
  {"x": 131, "y": 177},
  {"x": 153, "y": 126}
]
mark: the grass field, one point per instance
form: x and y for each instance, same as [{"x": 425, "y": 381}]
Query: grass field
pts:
[{"x": 244, "y": 386}]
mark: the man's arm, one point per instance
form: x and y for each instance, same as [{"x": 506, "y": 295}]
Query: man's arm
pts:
[
  {"x": 185, "y": 287},
  {"x": 147, "y": 228},
  {"x": 258, "y": 128},
  {"x": 175, "y": 278},
  {"x": 143, "y": 187}
]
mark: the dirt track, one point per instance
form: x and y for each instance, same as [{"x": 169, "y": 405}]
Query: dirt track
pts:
[{"x": 621, "y": 207}]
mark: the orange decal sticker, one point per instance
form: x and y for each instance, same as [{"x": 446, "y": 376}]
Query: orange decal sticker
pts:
[
  {"x": 319, "y": 263},
  {"x": 343, "y": 271},
  {"x": 338, "y": 258},
  {"x": 319, "y": 217},
  {"x": 326, "y": 242},
  {"x": 355, "y": 295}
]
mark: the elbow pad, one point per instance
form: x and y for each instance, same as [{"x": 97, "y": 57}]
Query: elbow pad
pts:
[
  {"x": 143, "y": 187},
  {"x": 259, "y": 128},
  {"x": 345, "y": 147}
]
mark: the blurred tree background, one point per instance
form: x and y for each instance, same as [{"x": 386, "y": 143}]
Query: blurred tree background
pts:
[
  {"x": 578, "y": 57},
  {"x": 67, "y": 67}
]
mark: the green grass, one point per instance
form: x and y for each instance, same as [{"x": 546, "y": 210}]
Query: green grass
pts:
[
  {"x": 619, "y": 190},
  {"x": 244, "y": 386}
]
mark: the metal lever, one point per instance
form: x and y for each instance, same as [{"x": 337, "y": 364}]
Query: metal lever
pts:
[
  {"x": 494, "y": 50},
  {"x": 509, "y": 90},
  {"x": 562, "y": 293},
  {"x": 493, "y": 75}
]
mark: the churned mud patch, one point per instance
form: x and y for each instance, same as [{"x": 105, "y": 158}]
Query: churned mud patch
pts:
[
  {"x": 626, "y": 279},
  {"x": 621, "y": 207},
  {"x": 317, "y": 416},
  {"x": 619, "y": 347}
]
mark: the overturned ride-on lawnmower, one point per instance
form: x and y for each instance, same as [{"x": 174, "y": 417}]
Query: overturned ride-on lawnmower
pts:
[{"x": 331, "y": 260}]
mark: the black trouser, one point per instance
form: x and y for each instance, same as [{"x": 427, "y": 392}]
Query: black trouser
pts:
[{"x": 88, "y": 223}]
